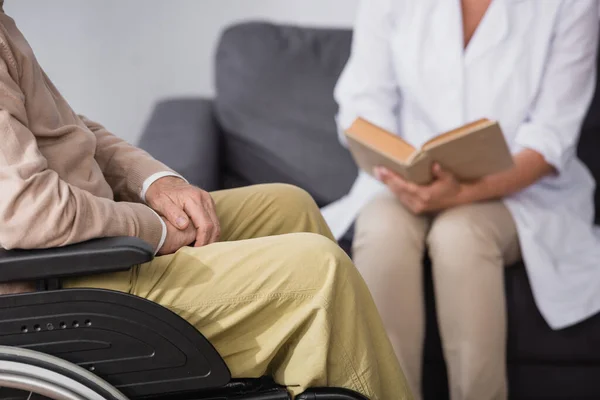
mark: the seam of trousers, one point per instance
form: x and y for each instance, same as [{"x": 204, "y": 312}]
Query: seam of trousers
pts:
[
  {"x": 361, "y": 385},
  {"x": 354, "y": 375},
  {"x": 243, "y": 299}
]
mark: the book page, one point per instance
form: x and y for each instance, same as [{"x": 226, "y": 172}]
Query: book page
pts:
[
  {"x": 380, "y": 140},
  {"x": 455, "y": 133},
  {"x": 367, "y": 159}
]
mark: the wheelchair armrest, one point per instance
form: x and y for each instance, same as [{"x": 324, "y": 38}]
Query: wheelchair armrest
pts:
[{"x": 89, "y": 258}]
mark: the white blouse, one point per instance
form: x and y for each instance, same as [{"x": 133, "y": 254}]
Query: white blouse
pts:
[{"x": 531, "y": 65}]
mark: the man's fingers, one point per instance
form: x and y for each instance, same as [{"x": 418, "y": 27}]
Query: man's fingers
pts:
[
  {"x": 201, "y": 220},
  {"x": 204, "y": 235},
  {"x": 211, "y": 210},
  {"x": 176, "y": 216}
]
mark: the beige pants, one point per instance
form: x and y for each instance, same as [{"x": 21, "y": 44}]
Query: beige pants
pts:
[
  {"x": 276, "y": 297},
  {"x": 469, "y": 247}
]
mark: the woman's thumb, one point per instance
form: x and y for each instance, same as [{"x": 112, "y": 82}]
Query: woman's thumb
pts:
[{"x": 439, "y": 172}]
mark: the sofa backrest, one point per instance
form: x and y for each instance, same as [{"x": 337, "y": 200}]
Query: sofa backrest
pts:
[{"x": 275, "y": 102}]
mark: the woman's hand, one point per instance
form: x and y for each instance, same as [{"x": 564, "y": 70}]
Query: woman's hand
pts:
[{"x": 445, "y": 191}]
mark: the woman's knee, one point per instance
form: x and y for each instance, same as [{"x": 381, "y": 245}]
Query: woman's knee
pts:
[
  {"x": 461, "y": 234},
  {"x": 385, "y": 220},
  {"x": 388, "y": 237}
]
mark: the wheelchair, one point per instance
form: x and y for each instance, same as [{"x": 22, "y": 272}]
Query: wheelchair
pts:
[{"x": 89, "y": 344}]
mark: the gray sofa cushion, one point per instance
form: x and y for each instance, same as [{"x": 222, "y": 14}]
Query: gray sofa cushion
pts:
[
  {"x": 275, "y": 104},
  {"x": 183, "y": 134}
]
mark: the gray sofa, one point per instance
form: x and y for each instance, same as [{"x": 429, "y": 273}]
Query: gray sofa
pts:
[{"x": 272, "y": 121}]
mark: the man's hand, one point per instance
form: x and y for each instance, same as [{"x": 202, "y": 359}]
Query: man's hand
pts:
[
  {"x": 176, "y": 238},
  {"x": 443, "y": 193},
  {"x": 179, "y": 202}
]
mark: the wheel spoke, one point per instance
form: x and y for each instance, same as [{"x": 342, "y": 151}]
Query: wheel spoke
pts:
[{"x": 37, "y": 374}]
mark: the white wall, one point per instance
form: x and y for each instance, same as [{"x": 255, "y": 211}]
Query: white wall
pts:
[{"x": 112, "y": 59}]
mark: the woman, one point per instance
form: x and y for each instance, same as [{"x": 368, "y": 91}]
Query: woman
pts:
[{"x": 419, "y": 68}]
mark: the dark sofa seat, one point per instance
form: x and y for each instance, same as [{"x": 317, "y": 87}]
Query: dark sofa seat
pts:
[{"x": 272, "y": 121}]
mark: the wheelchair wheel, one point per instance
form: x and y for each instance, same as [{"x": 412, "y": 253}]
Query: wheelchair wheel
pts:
[{"x": 28, "y": 375}]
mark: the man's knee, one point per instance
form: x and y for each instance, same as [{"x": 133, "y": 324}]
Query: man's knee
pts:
[
  {"x": 317, "y": 255},
  {"x": 294, "y": 208},
  {"x": 315, "y": 244},
  {"x": 289, "y": 197}
]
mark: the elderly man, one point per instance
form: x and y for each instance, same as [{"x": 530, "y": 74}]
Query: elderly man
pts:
[{"x": 254, "y": 269}]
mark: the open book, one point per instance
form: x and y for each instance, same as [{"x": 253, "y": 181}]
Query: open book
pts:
[{"x": 469, "y": 152}]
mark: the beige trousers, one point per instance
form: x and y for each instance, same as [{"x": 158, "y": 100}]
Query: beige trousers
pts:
[
  {"x": 469, "y": 247},
  {"x": 277, "y": 296}
]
